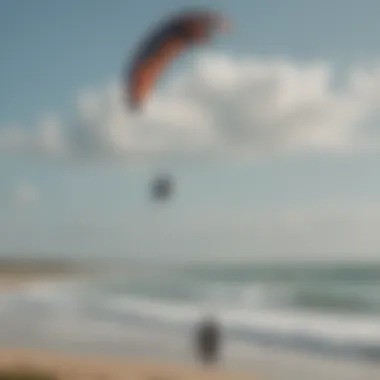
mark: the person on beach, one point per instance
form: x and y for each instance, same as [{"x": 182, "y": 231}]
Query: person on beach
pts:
[{"x": 208, "y": 341}]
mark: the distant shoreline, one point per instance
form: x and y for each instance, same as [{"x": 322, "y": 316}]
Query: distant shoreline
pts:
[
  {"x": 19, "y": 272},
  {"x": 38, "y": 264}
]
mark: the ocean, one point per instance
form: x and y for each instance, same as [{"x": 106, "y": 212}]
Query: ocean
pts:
[{"x": 288, "y": 321}]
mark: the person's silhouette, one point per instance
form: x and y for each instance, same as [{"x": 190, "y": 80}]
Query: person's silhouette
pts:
[{"x": 208, "y": 341}]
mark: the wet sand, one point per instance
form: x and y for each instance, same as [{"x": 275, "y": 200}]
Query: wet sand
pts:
[{"x": 81, "y": 367}]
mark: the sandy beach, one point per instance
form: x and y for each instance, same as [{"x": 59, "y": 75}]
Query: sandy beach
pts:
[
  {"x": 79, "y": 367},
  {"x": 20, "y": 273},
  {"x": 53, "y": 329},
  {"x": 14, "y": 281},
  {"x": 66, "y": 366}
]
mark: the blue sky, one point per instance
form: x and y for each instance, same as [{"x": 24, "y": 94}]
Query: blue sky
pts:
[
  {"x": 53, "y": 49},
  {"x": 270, "y": 86}
]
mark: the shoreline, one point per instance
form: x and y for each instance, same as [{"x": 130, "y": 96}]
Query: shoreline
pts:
[
  {"x": 16, "y": 273},
  {"x": 17, "y": 281},
  {"x": 81, "y": 366}
]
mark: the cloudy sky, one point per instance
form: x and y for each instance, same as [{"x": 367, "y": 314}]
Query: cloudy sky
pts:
[{"x": 271, "y": 132}]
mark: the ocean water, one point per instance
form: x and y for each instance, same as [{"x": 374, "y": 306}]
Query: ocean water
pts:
[{"x": 309, "y": 321}]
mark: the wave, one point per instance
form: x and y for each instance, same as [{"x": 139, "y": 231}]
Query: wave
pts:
[
  {"x": 339, "y": 295},
  {"x": 263, "y": 315}
]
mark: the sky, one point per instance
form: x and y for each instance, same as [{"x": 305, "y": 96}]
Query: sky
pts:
[{"x": 271, "y": 133}]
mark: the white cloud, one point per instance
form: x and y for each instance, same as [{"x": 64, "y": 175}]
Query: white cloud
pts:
[
  {"x": 12, "y": 139},
  {"x": 223, "y": 104},
  {"x": 49, "y": 135},
  {"x": 46, "y": 138},
  {"x": 25, "y": 193}
]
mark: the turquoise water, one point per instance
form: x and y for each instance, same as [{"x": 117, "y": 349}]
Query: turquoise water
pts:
[
  {"x": 328, "y": 309},
  {"x": 321, "y": 288}
]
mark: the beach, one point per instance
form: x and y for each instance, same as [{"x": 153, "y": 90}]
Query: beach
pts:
[
  {"x": 16, "y": 273},
  {"x": 83, "y": 367},
  {"x": 14, "y": 281},
  {"x": 64, "y": 365},
  {"x": 140, "y": 321}
]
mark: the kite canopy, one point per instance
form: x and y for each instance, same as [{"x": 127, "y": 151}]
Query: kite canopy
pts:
[{"x": 164, "y": 43}]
